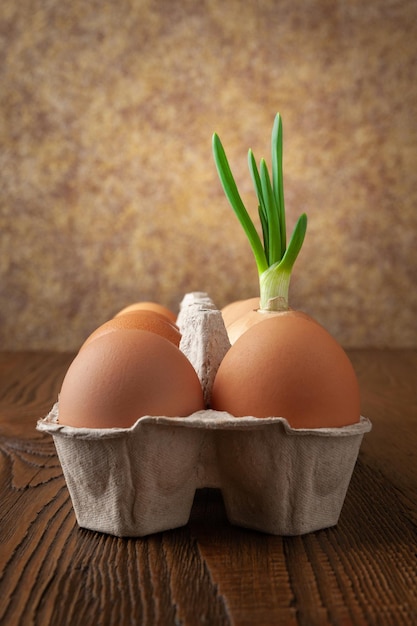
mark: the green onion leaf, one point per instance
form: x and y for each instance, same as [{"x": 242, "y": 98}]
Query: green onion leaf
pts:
[
  {"x": 274, "y": 244},
  {"x": 277, "y": 176},
  {"x": 232, "y": 194},
  {"x": 262, "y": 208},
  {"x": 294, "y": 246},
  {"x": 264, "y": 224}
]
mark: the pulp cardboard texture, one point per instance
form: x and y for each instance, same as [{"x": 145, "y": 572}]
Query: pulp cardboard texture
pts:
[{"x": 140, "y": 480}]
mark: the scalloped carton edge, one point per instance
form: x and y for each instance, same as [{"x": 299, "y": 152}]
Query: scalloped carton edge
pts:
[{"x": 132, "y": 482}]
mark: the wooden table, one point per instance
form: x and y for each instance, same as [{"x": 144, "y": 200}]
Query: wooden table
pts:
[{"x": 364, "y": 571}]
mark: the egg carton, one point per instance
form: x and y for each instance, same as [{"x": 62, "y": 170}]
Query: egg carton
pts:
[{"x": 140, "y": 480}]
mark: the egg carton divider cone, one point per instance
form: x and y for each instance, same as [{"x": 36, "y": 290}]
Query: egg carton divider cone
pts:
[{"x": 140, "y": 480}]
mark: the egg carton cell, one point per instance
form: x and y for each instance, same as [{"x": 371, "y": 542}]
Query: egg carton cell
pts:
[{"x": 141, "y": 480}]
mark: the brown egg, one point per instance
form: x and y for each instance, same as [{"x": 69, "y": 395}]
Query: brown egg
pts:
[
  {"x": 288, "y": 366},
  {"x": 149, "y": 306},
  {"x": 124, "y": 375},
  {"x": 234, "y": 310},
  {"x": 139, "y": 320}
]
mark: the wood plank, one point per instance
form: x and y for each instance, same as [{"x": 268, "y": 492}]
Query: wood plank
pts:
[
  {"x": 362, "y": 572},
  {"x": 388, "y": 380}
]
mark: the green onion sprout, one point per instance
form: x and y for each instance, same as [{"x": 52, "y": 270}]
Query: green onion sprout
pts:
[{"x": 274, "y": 259}]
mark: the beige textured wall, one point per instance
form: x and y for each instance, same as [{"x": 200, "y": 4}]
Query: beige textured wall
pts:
[{"x": 108, "y": 189}]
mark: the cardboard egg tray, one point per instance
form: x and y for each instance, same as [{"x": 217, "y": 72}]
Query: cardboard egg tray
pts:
[{"x": 141, "y": 480}]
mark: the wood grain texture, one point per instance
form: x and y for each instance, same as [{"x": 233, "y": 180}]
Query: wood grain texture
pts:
[{"x": 362, "y": 572}]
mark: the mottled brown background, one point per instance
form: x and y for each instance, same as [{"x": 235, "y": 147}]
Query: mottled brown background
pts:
[{"x": 108, "y": 189}]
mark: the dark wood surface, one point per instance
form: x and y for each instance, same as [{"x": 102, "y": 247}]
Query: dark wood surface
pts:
[{"x": 364, "y": 571}]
